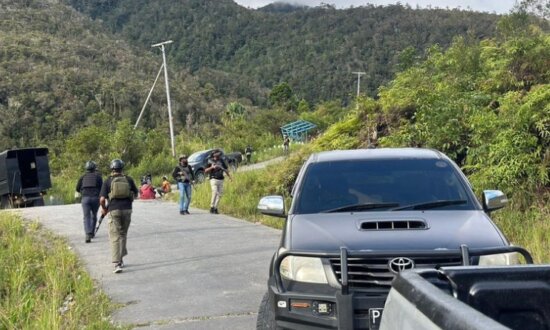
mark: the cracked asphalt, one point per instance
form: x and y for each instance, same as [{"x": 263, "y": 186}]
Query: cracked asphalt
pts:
[{"x": 198, "y": 271}]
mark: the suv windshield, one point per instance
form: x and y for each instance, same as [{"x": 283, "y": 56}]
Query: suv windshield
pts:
[
  {"x": 197, "y": 156},
  {"x": 382, "y": 184}
]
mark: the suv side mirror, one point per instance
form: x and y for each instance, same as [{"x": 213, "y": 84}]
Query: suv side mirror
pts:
[
  {"x": 494, "y": 200},
  {"x": 272, "y": 205}
]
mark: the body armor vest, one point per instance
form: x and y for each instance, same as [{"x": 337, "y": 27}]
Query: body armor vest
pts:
[{"x": 89, "y": 180}]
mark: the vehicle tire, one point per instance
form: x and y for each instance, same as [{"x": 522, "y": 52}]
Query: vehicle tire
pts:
[
  {"x": 5, "y": 202},
  {"x": 38, "y": 202},
  {"x": 266, "y": 314},
  {"x": 199, "y": 176}
]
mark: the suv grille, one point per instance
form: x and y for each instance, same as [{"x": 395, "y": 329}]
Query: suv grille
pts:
[{"x": 374, "y": 273}]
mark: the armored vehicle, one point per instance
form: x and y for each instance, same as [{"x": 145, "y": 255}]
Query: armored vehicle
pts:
[{"x": 24, "y": 177}]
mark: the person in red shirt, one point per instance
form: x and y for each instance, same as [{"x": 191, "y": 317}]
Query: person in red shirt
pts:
[{"x": 146, "y": 191}]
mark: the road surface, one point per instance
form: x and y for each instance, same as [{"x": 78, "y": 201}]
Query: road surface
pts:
[
  {"x": 198, "y": 271},
  {"x": 257, "y": 166}
]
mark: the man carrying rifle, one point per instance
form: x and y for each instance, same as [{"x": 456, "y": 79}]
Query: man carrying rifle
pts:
[
  {"x": 120, "y": 190},
  {"x": 88, "y": 186},
  {"x": 184, "y": 176}
]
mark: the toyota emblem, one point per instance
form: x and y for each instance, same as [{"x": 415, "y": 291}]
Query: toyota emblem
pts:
[{"x": 397, "y": 265}]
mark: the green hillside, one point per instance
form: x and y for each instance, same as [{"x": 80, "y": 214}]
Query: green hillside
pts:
[
  {"x": 313, "y": 49},
  {"x": 60, "y": 70}
]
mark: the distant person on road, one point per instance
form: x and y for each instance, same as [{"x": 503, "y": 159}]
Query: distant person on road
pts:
[
  {"x": 166, "y": 185},
  {"x": 216, "y": 169},
  {"x": 119, "y": 190},
  {"x": 248, "y": 153},
  {"x": 88, "y": 187},
  {"x": 286, "y": 143},
  {"x": 184, "y": 176}
]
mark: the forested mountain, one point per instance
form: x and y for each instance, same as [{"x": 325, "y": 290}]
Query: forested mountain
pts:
[
  {"x": 313, "y": 49},
  {"x": 59, "y": 70}
]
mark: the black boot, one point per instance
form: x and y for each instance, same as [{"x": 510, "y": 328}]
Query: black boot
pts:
[
  {"x": 88, "y": 238},
  {"x": 212, "y": 210}
]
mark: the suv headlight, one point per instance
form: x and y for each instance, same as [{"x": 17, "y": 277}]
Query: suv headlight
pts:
[
  {"x": 503, "y": 259},
  {"x": 303, "y": 269}
]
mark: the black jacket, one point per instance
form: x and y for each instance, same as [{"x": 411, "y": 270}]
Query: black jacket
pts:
[{"x": 187, "y": 175}]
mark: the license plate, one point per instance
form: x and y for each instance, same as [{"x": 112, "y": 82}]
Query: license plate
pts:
[{"x": 375, "y": 316}]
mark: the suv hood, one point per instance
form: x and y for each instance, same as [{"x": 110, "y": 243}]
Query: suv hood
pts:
[{"x": 445, "y": 230}]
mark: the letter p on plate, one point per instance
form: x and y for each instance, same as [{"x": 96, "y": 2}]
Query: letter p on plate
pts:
[{"x": 375, "y": 316}]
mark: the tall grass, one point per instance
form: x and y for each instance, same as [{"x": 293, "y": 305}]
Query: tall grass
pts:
[
  {"x": 274, "y": 151},
  {"x": 42, "y": 284},
  {"x": 529, "y": 229},
  {"x": 241, "y": 196}
]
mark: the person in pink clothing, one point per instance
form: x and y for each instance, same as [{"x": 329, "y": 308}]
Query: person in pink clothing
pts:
[{"x": 146, "y": 191}]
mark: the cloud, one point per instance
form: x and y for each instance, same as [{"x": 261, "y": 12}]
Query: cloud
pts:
[{"x": 498, "y": 6}]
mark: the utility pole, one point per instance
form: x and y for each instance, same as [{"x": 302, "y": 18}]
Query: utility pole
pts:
[
  {"x": 161, "y": 45},
  {"x": 359, "y": 74}
]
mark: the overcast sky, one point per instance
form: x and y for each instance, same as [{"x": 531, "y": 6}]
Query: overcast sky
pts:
[{"x": 498, "y": 6}]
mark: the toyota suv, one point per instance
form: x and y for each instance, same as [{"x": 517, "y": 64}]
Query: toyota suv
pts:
[{"x": 358, "y": 218}]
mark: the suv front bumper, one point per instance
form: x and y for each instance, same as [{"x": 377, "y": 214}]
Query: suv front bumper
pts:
[
  {"x": 338, "y": 311},
  {"x": 340, "y": 307}
]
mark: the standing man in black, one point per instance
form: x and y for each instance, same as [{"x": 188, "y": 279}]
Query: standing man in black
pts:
[
  {"x": 248, "y": 153},
  {"x": 216, "y": 168},
  {"x": 184, "y": 176},
  {"x": 120, "y": 190},
  {"x": 88, "y": 186}
]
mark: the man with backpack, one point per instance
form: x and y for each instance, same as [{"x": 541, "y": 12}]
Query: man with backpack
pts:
[
  {"x": 184, "y": 176},
  {"x": 119, "y": 190},
  {"x": 88, "y": 187}
]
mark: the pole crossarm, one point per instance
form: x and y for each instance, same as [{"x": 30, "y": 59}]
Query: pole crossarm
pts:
[{"x": 359, "y": 74}]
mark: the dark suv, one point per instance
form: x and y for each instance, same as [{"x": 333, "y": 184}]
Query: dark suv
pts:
[
  {"x": 199, "y": 161},
  {"x": 358, "y": 218}
]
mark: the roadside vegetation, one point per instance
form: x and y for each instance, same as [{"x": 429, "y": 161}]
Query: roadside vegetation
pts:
[
  {"x": 42, "y": 283},
  {"x": 486, "y": 104}
]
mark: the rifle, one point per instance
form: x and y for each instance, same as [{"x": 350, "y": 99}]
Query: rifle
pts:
[{"x": 99, "y": 223}]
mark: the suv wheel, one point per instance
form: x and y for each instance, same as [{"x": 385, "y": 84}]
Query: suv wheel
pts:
[
  {"x": 199, "y": 176},
  {"x": 266, "y": 314},
  {"x": 5, "y": 202}
]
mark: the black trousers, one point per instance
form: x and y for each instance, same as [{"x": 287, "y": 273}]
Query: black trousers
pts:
[{"x": 90, "y": 206}]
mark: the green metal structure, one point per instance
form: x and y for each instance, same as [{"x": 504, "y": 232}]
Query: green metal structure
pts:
[{"x": 297, "y": 130}]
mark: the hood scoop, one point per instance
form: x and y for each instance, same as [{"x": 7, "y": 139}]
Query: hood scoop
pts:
[{"x": 393, "y": 225}]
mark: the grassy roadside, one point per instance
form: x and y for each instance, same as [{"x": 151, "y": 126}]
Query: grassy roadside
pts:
[
  {"x": 528, "y": 229},
  {"x": 42, "y": 283}
]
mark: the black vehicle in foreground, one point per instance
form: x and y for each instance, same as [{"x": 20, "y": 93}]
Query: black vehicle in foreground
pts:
[
  {"x": 199, "y": 161},
  {"x": 24, "y": 177},
  {"x": 360, "y": 217}
]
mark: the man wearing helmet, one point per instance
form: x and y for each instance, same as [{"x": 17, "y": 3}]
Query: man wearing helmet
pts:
[
  {"x": 120, "y": 190},
  {"x": 88, "y": 187}
]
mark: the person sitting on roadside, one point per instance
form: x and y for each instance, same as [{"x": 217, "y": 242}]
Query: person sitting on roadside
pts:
[
  {"x": 147, "y": 191},
  {"x": 166, "y": 185}
]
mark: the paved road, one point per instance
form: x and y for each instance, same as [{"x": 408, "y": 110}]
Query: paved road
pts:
[
  {"x": 257, "y": 166},
  {"x": 198, "y": 271}
]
